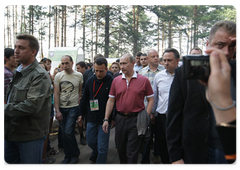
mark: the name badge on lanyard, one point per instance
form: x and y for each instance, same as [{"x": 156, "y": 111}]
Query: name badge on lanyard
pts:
[{"x": 94, "y": 106}]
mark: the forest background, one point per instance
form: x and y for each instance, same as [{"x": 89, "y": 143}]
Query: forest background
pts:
[{"x": 113, "y": 30}]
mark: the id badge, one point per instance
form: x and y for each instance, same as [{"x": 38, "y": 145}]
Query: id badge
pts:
[{"x": 94, "y": 105}]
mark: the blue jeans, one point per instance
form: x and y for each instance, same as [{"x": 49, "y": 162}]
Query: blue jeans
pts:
[
  {"x": 98, "y": 141},
  {"x": 216, "y": 156},
  {"x": 29, "y": 152},
  {"x": 67, "y": 126}
]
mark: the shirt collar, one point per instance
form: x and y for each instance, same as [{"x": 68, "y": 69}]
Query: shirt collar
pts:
[
  {"x": 133, "y": 76},
  {"x": 159, "y": 68},
  {"x": 169, "y": 73},
  {"x": 20, "y": 67}
]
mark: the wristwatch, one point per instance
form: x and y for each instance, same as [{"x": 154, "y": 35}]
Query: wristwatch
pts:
[
  {"x": 105, "y": 120},
  {"x": 56, "y": 111}
]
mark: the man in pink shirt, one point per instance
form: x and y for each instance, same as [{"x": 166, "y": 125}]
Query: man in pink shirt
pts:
[{"x": 128, "y": 91}]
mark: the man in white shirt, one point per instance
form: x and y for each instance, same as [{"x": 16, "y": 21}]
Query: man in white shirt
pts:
[{"x": 161, "y": 88}]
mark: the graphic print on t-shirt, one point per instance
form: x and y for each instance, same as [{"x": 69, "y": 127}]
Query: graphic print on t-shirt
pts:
[{"x": 66, "y": 89}]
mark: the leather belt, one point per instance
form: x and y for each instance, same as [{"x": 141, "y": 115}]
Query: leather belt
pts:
[{"x": 128, "y": 115}]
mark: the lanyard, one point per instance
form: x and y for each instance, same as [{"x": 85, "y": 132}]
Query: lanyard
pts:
[{"x": 97, "y": 90}]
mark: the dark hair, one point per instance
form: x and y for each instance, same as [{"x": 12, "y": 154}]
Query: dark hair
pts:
[
  {"x": 144, "y": 54},
  {"x": 82, "y": 64},
  {"x": 33, "y": 42},
  {"x": 228, "y": 26},
  {"x": 70, "y": 58},
  {"x": 89, "y": 65},
  {"x": 100, "y": 60},
  {"x": 98, "y": 55},
  {"x": 8, "y": 52},
  {"x": 196, "y": 48},
  {"x": 45, "y": 67},
  {"x": 138, "y": 54},
  {"x": 44, "y": 60},
  {"x": 175, "y": 52}
]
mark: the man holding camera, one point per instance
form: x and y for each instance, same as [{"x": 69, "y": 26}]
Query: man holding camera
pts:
[{"x": 191, "y": 134}]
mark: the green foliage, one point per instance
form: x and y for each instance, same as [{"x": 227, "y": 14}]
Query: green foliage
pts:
[{"x": 131, "y": 28}]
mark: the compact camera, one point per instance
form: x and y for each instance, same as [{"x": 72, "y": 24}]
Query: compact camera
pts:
[{"x": 196, "y": 67}]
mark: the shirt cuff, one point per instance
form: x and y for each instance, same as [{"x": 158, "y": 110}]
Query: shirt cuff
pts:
[
  {"x": 150, "y": 96},
  {"x": 111, "y": 96}
]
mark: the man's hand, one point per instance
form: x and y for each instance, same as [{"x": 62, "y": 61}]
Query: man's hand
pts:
[
  {"x": 112, "y": 124},
  {"x": 152, "y": 116},
  {"x": 105, "y": 126},
  {"x": 179, "y": 162},
  {"x": 59, "y": 116},
  {"x": 80, "y": 121}
]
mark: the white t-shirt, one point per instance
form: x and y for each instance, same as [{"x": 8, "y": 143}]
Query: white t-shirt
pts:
[{"x": 68, "y": 88}]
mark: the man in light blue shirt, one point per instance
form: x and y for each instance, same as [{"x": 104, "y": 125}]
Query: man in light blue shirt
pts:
[{"x": 137, "y": 65}]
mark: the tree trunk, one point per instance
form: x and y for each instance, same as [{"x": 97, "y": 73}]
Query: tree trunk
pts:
[
  {"x": 4, "y": 32},
  {"x": 65, "y": 25},
  {"x": 169, "y": 28},
  {"x": 55, "y": 25},
  {"x": 158, "y": 34},
  {"x": 84, "y": 15},
  {"x": 62, "y": 28},
  {"x": 180, "y": 40},
  {"x": 58, "y": 31},
  {"x": 195, "y": 43},
  {"x": 9, "y": 28},
  {"x": 31, "y": 28},
  {"x": 75, "y": 25},
  {"x": 138, "y": 47},
  {"x": 49, "y": 27},
  {"x": 191, "y": 33},
  {"x": 29, "y": 21},
  {"x": 106, "y": 49},
  {"x": 22, "y": 18},
  {"x": 135, "y": 34},
  {"x": 188, "y": 35},
  {"x": 169, "y": 34},
  {"x": 13, "y": 24},
  {"x": 163, "y": 36},
  {"x": 92, "y": 34},
  {"x": 96, "y": 43}
]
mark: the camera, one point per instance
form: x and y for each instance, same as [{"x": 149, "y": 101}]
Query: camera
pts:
[{"x": 196, "y": 67}]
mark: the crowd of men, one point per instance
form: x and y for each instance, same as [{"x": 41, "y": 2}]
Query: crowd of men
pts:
[{"x": 182, "y": 120}]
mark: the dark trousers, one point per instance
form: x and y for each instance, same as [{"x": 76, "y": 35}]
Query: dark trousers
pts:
[
  {"x": 161, "y": 137},
  {"x": 147, "y": 147},
  {"x": 127, "y": 140}
]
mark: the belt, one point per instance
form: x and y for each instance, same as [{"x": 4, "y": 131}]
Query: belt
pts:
[{"x": 128, "y": 115}]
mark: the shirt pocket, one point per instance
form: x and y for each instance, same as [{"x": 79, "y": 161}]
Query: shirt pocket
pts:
[{"x": 20, "y": 92}]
